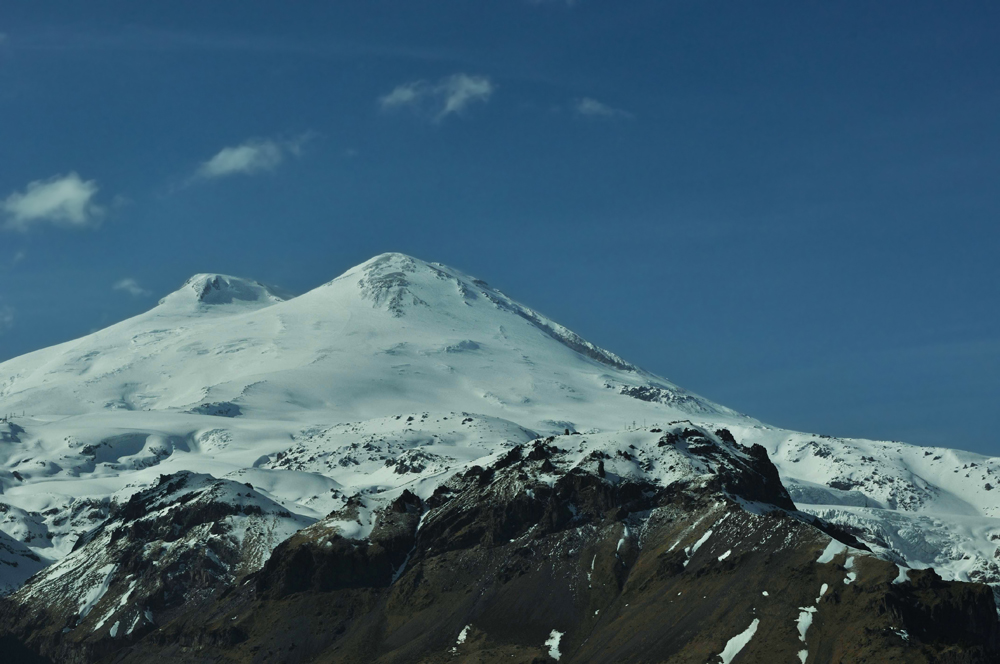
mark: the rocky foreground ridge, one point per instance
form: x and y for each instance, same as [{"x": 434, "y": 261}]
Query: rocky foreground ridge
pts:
[{"x": 555, "y": 551}]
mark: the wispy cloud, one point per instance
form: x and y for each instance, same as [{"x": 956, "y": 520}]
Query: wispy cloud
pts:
[
  {"x": 3, "y": 37},
  {"x": 6, "y": 318},
  {"x": 251, "y": 157},
  {"x": 450, "y": 95},
  {"x": 64, "y": 200},
  {"x": 131, "y": 286},
  {"x": 592, "y": 108}
]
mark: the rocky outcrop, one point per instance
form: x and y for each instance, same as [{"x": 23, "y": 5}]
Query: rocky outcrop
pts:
[{"x": 317, "y": 559}]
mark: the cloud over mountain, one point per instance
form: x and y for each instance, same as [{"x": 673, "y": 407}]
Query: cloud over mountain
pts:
[
  {"x": 130, "y": 286},
  {"x": 63, "y": 200}
]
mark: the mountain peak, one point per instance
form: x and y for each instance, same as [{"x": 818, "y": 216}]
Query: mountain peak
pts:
[
  {"x": 222, "y": 289},
  {"x": 393, "y": 280},
  {"x": 403, "y": 285}
]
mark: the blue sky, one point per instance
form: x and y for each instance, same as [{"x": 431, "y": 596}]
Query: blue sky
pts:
[{"x": 789, "y": 207}]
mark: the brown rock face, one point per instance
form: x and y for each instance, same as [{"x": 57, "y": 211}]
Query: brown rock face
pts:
[{"x": 531, "y": 560}]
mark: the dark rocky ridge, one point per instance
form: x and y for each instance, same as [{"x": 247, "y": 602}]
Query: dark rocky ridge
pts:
[
  {"x": 166, "y": 549},
  {"x": 625, "y": 570}
]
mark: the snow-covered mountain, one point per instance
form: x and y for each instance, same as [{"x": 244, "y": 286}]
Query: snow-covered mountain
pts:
[
  {"x": 226, "y": 374},
  {"x": 394, "y": 377}
]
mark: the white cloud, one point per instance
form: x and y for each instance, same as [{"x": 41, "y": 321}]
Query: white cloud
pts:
[
  {"x": 450, "y": 95},
  {"x": 592, "y": 108},
  {"x": 251, "y": 157},
  {"x": 407, "y": 93},
  {"x": 132, "y": 287},
  {"x": 65, "y": 200},
  {"x": 461, "y": 90}
]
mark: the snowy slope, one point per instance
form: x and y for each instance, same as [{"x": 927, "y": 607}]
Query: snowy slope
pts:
[
  {"x": 917, "y": 506},
  {"x": 391, "y": 335},
  {"x": 395, "y": 375}
]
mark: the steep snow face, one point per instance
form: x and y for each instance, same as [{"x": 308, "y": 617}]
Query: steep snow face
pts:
[
  {"x": 395, "y": 375},
  {"x": 17, "y": 563}
]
